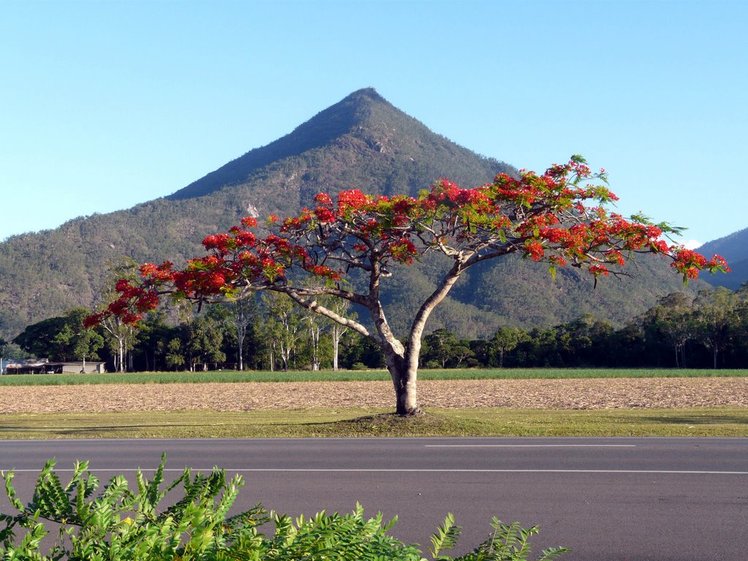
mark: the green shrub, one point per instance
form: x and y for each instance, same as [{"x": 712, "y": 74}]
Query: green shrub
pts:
[{"x": 119, "y": 524}]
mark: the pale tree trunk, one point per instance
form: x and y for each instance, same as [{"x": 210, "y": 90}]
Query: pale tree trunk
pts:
[
  {"x": 120, "y": 355},
  {"x": 335, "y": 350},
  {"x": 285, "y": 355},
  {"x": 241, "y": 351},
  {"x": 315, "y": 332},
  {"x": 404, "y": 379}
]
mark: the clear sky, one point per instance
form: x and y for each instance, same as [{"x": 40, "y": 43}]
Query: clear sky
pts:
[{"x": 104, "y": 105}]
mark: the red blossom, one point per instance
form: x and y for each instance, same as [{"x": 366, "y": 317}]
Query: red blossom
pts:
[
  {"x": 599, "y": 270},
  {"x": 352, "y": 199},
  {"x": 534, "y": 249},
  {"x": 324, "y": 215},
  {"x": 323, "y": 199}
]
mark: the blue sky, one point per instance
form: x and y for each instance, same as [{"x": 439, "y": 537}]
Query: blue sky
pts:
[{"x": 108, "y": 104}]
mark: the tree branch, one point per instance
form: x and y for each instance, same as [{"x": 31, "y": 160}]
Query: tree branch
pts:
[{"x": 313, "y": 306}]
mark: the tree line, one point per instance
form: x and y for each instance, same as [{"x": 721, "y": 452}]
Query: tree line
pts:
[{"x": 268, "y": 332}]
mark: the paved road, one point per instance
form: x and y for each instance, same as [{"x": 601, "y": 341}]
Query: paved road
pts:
[{"x": 608, "y": 499}]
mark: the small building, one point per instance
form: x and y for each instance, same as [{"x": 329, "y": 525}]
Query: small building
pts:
[{"x": 43, "y": 366}]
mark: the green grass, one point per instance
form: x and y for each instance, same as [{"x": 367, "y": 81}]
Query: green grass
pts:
[
  {"x": 360, "y": 422},
  {"x": 354, "y": 375}
]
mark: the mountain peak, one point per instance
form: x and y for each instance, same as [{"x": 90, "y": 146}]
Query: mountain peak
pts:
[
  {"x": 351, "y": 112},
  {"x": 369, "y": 94}
]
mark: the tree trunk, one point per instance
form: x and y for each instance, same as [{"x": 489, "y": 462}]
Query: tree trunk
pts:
[
  {"x": 241, "y": 353},
  {"x": 404, "y": 376},
  {"x": 335, "y": 352},
  {"x": 121, "y": 354}
]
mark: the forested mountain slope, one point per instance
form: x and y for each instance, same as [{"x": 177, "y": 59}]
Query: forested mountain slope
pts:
[
  {"x": 363, "y": 142},
  {"x": 734, "y": 248}
]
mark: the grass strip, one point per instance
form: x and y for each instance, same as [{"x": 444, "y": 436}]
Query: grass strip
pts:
[
  {"x": 357, "y": 375},
  {"x": 360, "y": 422}
]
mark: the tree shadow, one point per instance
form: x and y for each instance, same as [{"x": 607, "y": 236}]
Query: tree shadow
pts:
[
  {"x": 700, "y": 420},
  {"x": 78, "y": 430}
]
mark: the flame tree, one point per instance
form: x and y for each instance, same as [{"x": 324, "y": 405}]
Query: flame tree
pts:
[{"x": 560, "y": 217}]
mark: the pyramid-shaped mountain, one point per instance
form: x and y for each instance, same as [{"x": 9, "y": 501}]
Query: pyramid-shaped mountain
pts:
[{"x": 362, "y": 141}]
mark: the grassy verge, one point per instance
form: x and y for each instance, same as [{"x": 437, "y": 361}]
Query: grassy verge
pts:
[
  {"x": 731, "y": 422},
  {"x": 352, "y": 375}
]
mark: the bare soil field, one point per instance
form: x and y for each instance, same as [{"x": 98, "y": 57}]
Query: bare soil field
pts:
[{"x": 518, "y": 394}]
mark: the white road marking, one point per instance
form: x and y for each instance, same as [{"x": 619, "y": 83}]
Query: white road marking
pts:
[{"x": 529, "y": 445}]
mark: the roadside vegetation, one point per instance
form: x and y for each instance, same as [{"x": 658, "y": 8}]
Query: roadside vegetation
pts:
[{"x": 80, "y": 521}]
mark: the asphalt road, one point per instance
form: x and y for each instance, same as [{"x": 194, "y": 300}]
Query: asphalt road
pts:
[{"x": 620, "y": 499}]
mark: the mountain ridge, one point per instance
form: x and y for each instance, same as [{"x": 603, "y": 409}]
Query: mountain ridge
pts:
[{"x": 734, "y": 248}]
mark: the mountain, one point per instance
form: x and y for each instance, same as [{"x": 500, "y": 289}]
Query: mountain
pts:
[
  {"x": 734, "y": 248},
  {"x": 362, "y": 141}
]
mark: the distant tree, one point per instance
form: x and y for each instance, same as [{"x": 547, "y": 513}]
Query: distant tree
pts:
[
  {"x": 152, "y": 339},
  {"x": 38, "y": 338},
  {"x": 61, "y": 338},
  {"x": 120, "y": 337},
  {"x": 439, "y": 347},
  {"x": 357, "y": 350},
  {"x": 12, "y": 351},
  {"x": 175, "y": 355},
  {"x": 78, "y": 341},
  {"x": 505, "y": 340},
  {"x": 120, "y": 334},
  {"x": 204, "y": 339},
  {"x": 354, "y": 243},
  {"x": 671, "y": 322},
  {"x": 342, "y": 308},
  {"x": 241, "y": 312},
  {"x": 716, "y": 319},
  {"x": 283, "y": 328}
]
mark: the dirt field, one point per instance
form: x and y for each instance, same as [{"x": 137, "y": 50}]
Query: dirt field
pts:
[{"x": 519, "y": 394}]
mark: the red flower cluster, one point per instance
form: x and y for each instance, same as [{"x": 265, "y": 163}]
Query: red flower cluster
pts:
[{"x": 690, "y": 263}]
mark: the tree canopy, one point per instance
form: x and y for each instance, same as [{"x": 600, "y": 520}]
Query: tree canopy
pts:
[{"x": 352, "y": 244}]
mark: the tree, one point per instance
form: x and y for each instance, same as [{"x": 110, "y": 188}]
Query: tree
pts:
[
  {"x": 716, "y": 319},
  {"x": 120, "y": 337},
  {"x": 337, "y": 330},
  {"x": 353, "y": 245},
  {"x": 283, "y": 328},
  {"x": 175, "y": 354},
  {"x": 119, "y": 333},
  {"x": 671, "y": 321},
  {"x": 79, "y": 341},
  {"x": 438, "y": 347},
  {"x": 61, "y": 338},
  {"x": 505, "y": 340},
  {"x": 204, "y": 339},
  {"x": 239, "y": 314}
]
